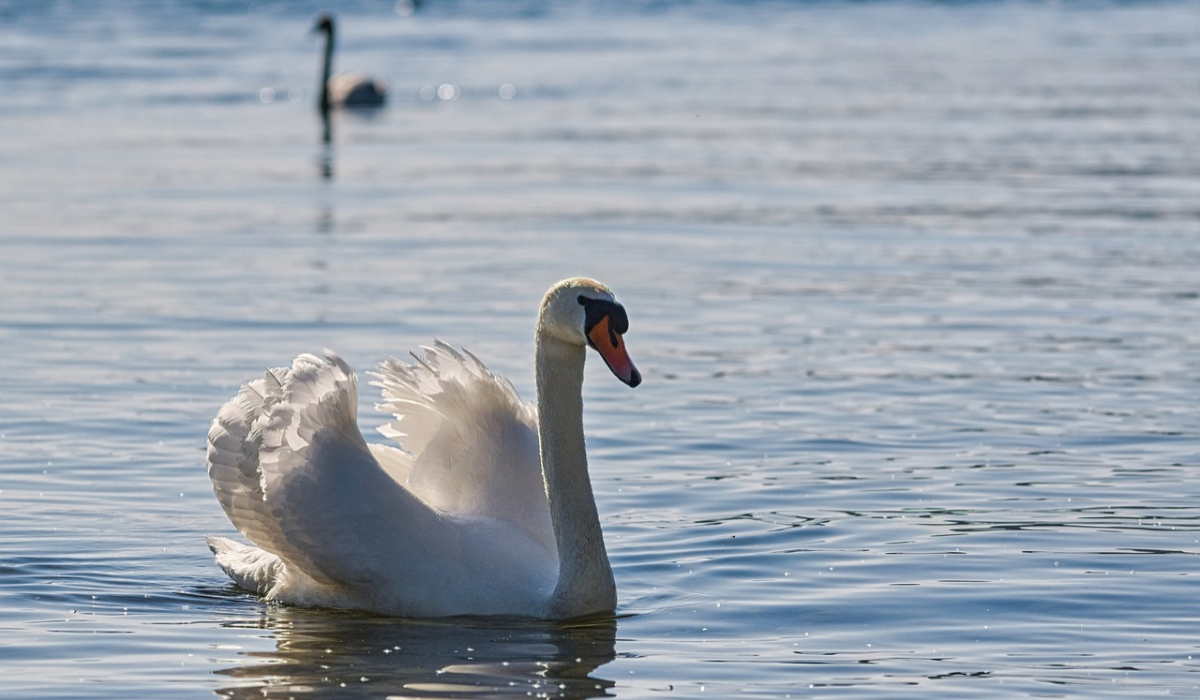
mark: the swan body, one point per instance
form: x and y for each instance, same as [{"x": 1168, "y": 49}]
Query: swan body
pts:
[
  {"x": 350, "y": 90},
  {"x": 485, "y": 509},
  {"x": 353, "y": 90}
]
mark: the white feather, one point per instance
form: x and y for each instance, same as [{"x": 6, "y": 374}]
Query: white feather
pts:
[
  {"x": 342, "y": 523},
  {"x": 466, "y": 516}
]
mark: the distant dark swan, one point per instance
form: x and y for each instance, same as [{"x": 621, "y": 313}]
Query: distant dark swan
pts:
[{"x": 351, "y": 90}]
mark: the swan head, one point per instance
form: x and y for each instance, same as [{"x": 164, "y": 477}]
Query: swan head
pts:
[
  {"x": 584, "y": 312},
  {"x": 324, "y": 24}
]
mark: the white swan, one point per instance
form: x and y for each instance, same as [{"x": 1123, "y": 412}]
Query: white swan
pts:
[
  {"x": 345, "y": 89},
  {"x": 467, "y": 519}
]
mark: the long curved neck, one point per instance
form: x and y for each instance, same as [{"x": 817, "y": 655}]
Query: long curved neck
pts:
[
  {"x": 585, "y": 579},
  {"x": 327, "y": 70}
]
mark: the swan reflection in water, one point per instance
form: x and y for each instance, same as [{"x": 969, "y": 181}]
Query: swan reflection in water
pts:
[{"x": 351, "y": 655}]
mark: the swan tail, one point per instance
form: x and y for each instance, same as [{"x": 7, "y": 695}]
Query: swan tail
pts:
[{"x": 251, "y": 568}]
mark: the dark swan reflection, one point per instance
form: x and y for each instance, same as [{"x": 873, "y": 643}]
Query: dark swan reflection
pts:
[{"x": 352, "y": 655}]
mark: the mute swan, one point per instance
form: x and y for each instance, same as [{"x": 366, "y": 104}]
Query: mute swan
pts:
[
  {"x": 346, "y": 89},
  {"x": 467, "y": 519}
]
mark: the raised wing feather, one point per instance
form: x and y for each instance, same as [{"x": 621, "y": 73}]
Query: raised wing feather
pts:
[
  {"x": 471, "y": 442},
  {"x": 293, "y": 473},
  {"x": 236, "y": 439}
]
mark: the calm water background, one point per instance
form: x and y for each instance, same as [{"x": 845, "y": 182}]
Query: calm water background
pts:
[{"x": 915, "y": 290}]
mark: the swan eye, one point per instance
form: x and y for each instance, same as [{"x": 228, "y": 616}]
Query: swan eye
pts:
[{"x": 596, "y": 310}]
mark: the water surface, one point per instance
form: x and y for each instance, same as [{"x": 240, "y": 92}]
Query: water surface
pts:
[{"x": 913, "y": 289}]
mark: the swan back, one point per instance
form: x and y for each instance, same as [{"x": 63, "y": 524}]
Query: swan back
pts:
[{"x": 356, "y": 90}]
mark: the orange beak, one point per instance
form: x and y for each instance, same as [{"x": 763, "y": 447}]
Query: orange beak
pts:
[{"x": 612, "y": 348}]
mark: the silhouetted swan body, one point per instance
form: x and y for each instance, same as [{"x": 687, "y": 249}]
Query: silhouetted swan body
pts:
[{"x": 350, "y": 90}]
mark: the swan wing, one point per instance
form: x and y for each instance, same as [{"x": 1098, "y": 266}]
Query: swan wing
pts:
[
  {"x": 235, "y": 439},
  {"x": 293, "y": 473},
  {"x": 472, "y": 443}
]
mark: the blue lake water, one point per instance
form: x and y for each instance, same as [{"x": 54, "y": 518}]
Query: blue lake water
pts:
[{"x": 914, "y": 289}]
